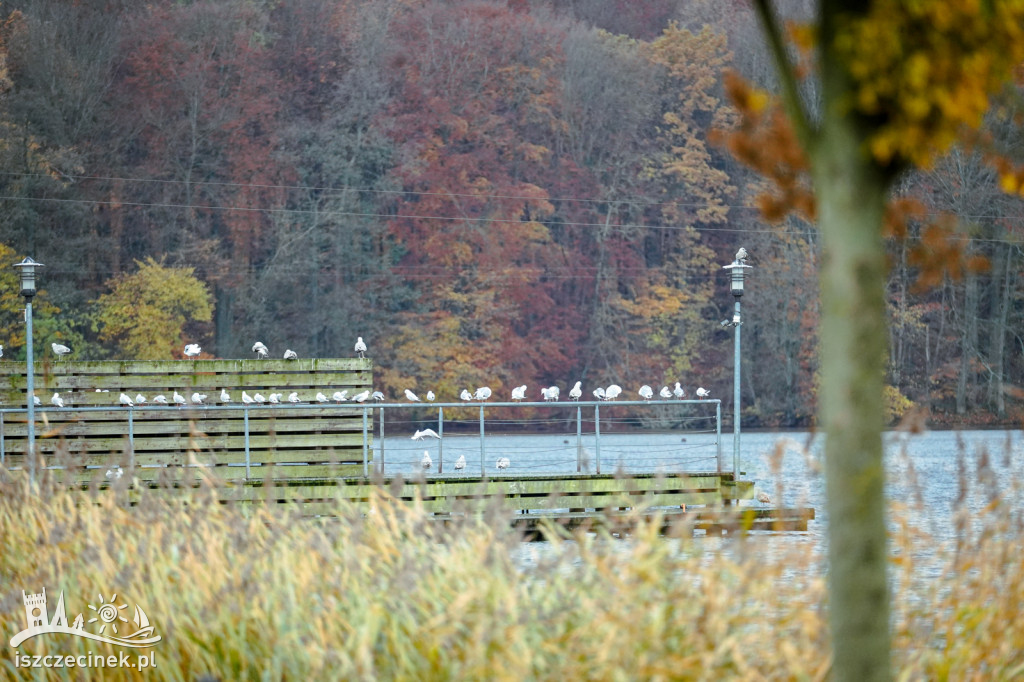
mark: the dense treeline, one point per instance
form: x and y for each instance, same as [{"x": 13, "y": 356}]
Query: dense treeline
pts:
[{"x": 508, "y": 193}]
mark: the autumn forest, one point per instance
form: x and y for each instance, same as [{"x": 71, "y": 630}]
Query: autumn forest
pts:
[{"x": 532, "y": 191}]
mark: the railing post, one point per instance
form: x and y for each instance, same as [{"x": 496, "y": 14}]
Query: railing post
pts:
[
  {"x": 440, "y": 432},
  {"x": 597, "y": 436},
  {"x": 380, "y": 424},
  {"x": 579, "y": 439},
  {"x": 3, "y": 453},
  {"x": 366, "y": 446},
  {"x": 718, "y": 435},
  {"x": 482, "y": 473},
  {"x": 245, "y": 414},
  {"x": 131, "y": 441}
]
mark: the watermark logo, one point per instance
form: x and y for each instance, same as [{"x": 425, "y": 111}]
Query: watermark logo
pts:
[{"x": 106, "y": 617}]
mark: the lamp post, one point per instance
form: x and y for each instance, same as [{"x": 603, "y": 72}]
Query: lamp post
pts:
[
  {"x": 736, "y": 271},
  {"x": 27, "y": 271}
]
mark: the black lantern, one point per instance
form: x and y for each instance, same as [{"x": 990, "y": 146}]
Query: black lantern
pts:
[{"x": 27, "y": 270}]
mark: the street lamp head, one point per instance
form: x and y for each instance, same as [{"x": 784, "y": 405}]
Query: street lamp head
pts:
[
  {"x": 736, "y": 269},
  {"x": 27, "y": 271}
]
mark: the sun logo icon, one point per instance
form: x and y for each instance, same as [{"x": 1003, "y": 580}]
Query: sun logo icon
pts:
[{"x": 107, "y": 612}]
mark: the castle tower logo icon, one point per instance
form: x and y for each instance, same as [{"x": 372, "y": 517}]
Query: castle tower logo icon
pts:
[{"x": 108, "y": 618}]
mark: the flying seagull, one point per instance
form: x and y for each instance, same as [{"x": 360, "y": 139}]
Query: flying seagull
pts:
[
  {"x": 575, "y": 392},
  {"x": 703, "y": 393},
  {"x": 646, "y": 392},
  {"x": 56, "y": 400},
  {"x": 60, "y": 349},
  {"x": 519, "y": 392},
  {"x": 192, "y": 350},
  {"x": 426, "y": 462},
  {"x": 124, "y": 399},
  {"x": 502, "y": 463},
  {"x": 420, "y": 435},
  {"x": 291, "y": 355},
  {"x": 665, "y": 393},
  {"x": 260, "y": 350},
  {"x": 411, "y": 397},
  {"x": 460, "y": 463},
  {"x": 360, "y": 347}
]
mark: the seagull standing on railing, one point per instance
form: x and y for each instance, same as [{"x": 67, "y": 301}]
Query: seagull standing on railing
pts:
[
  {"x": 198, "y": 398},
  {"x": 125, "y": 400},
  {"x": 275, "y": 398},
  {"x": 678, "y": 391},
  {"x": 379, "y": 397},
  {"x": 258, "y": 397},
  {"x": 763, "y": 498},
  {"x": 321, "y": 398},
  {"x": 482, "y": 393},
  {"x": 179, "y": 399},
  {"x": 426, "y": 462},
  {"x": 502, "y": 463},
  {"x": 420, "y": 435},
  {"x": 35, "y": 400},
  {"x": 247, "y": 399},
  {"x": 665, "y": 393},
  {"x": 260, "y": 350},
  {"x": 519, "y": 392},
  {"x": 703, "y": 393},
  {"x": 550, "y": 394},
  {"x": 361, "y": 397},
  {"x": 293, "y": 397},
  {"x": 599, "y": 393},
  {"x": 460, "y": 463},
  {"x": 192, "y": 350},
  {"x": 466, "y": 395},
  {"x": 56, "y": 400},
  {"x": 140, "y": 399},
  {"x": 576, "y": 391},
  {"x": 360, "y": 347},
  {"x": 60, "y": 349},
  {"x": 612, "y": 392},
  {"x": 162, "y": 399},
  {"x": 430, "y": 396},
  {"x": 225, "y": 397},
  {"x": 339, "y": 396},
  {"x": 291, "y": 355},
  {"x": 646, "y": 392},
  {"x": 411, "y": 397},
  {"x": 115, "y": 473}
]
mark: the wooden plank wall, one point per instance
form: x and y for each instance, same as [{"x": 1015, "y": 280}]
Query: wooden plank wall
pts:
[{"x": 325, "y": 440}]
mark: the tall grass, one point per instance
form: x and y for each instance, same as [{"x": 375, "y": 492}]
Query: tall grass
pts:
[{"x": 259, "y": 592}]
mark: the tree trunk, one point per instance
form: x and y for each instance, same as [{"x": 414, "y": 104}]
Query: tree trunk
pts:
[{"x": 851, "y": 193}]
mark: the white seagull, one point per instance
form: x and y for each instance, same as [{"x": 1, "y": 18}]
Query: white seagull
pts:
[
  {"x": 612, "y": 392},
  {"x": 247, "y": 399},
  {"x": 1, "y": 350},
  {"x": 379, "y": 397},
  {"x": 466, "y": 395},
  {"x": 763, "y": 497},
  {"x": 420, "y": 435},
  {"x": 293, "y": 397},
  {"x": 599, "y": 393},
  {"x": 291, "y": 355},
  {"x": 56, "y": 400},
  {"x": 576, "y": 391},
  {"x": 430, "y": 396},
  {"x": 665, "y": 393},
  {"x": 460, "y": 463},
  {"x": 192, "y": 350},
  {"x": 482, "y": 393},
  {"x": 140, "y": 399},
  {"x": 162, "y": 399},
  {"x": 426, "y": 462},
  {"x": 550, "y": 394},
  {"x": 60, "y": 349},
  {"x": 258, "y": 397},
  {"x": 36, "y": 400},
  {"x": 178, "y": 398},
  {"x": 741, "y": 255},
  {"x": 339, "y": 396},
  {"x": 678, "y": 391},
  {"x": 519, "y": 392},
  {"x": 360, "y": 346},
  {"x": 225, "y": 397},
  {"x": 703, "y": 393},
  {"x": 411, "y": 397},
  {"x": 115, "y": 473},
  {"x": 198, "y": 398},
  {"x": 321, "y": 398},
  {"x": 646, "y": 392},
  {"x": 502, "y": 463},
  {"x": 361, "y": 397},
  {"x": 260, "y": 350},
  {"x": 275, "y": 398},
  {"x": 125, "y": 399}
]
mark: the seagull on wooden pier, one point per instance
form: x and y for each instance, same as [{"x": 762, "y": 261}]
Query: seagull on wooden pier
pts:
[
  {"x": 293, "y": 397},
  {"x": 198, "y": 398},
  {"x": 260, "y": 350},
  {"x": 519, "y": 392},
  {"x": 460, "y": 463},
  {"x": 192, "y": 350},
  {"x": 599, "y": 393},
  {"x": 411, "y": 397},
  {"x": 161, "y": 399},
  {"x": 612, "y": 392},
  {"x": 430, "y": 396},
  {"x": 57, "y": 400},
  {"x": 225, "y": 397},
  {"x": 321, "y": 398},
  {"x": 291, "y": 355},
  {"x": 126, "y": 400},
  {"x": 140, "y": 399},
  {"x": 360, "y": 347},
  {"x": 763, "y": 498},
  {"x": 379, "y": 397},
  {"x": 340, "y": 396},
  {"x": 665, "y": 393},
  {"x": 703, "y": 392},
  {"x": 482, "y": 393},
  {"x": 678, "y": 391},
  {"x": 426, "y": 462},
  {"x": 361, "y": 397},
  {"x": 466, "y": 395},
  {"x": 646, "y": 392},
  {"x": 502, "y": 463},
  {"x": 420, "y": 435},
  {"x": 576, "y": 391},
  {"x": 178, "y": 398},
  {"x": 60, "y": 349}
]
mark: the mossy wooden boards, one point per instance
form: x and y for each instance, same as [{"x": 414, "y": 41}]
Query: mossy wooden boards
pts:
[{"x": 309, "y": 433}]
